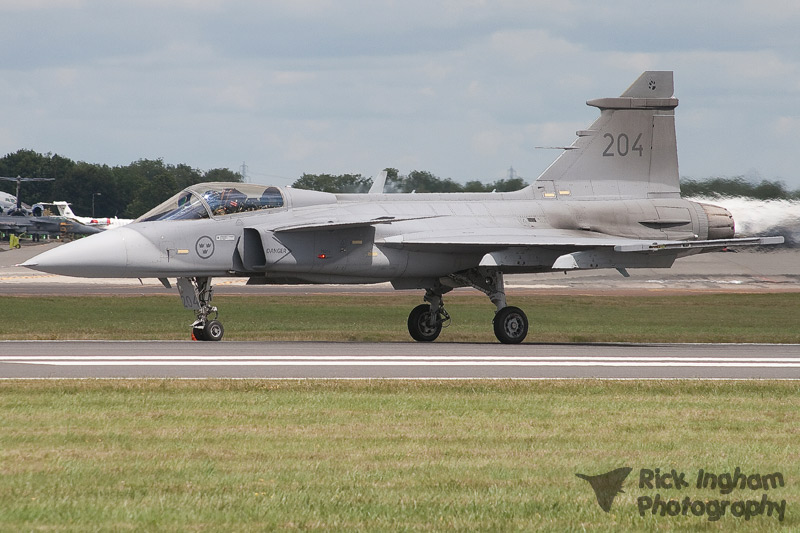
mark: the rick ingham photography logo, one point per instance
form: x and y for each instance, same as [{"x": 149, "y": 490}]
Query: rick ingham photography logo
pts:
[{"x": 701, "y": 494}]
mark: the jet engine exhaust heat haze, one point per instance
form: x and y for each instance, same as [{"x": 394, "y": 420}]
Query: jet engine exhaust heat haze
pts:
[{"x": 610, "y": 200}]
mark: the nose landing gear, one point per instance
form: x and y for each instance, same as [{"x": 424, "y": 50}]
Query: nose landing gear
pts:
[{"x": 196, "y": 294}]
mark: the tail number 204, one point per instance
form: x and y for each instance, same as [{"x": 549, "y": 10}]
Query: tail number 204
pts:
[{"x": 621, "y": 145}]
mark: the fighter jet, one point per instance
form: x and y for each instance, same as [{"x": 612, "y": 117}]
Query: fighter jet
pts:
[
  {"x": 17, "y": 217},
  {"x": 37, "y": 226},
  {"x": 610, "y": 200}
]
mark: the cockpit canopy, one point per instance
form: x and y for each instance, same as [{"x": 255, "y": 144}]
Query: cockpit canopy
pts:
[{"x": 207, "y": 200}]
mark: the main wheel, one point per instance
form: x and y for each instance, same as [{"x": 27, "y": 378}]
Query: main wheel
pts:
[
  {"x": 419, "y": 324},
  {"x": 213, "y": 331},
  {"x": 510, "y": 325}
]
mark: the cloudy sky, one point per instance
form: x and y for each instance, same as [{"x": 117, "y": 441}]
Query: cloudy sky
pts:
[{"x": 461, "y": 88}]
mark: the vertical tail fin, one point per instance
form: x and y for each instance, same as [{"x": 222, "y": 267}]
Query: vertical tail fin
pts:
[
  {"x": 629, "y": 152},
  {"x": 378, "y": 183},
  {"x": 64, "y": 209}
]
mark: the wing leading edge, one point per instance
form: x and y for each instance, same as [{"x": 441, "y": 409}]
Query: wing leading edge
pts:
[{"x": 328, "y": 224}]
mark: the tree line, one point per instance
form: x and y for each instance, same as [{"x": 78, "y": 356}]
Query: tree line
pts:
[
  {"x": 738, "y": 187},
  {"x": 123, "y": 191},
  {"x": 131, "y": 190},
  {"x": 419, "y": 181},
  {"x": 422, "y": 181}
]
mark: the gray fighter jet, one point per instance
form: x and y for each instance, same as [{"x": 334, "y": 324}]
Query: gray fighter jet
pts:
[
  {"x": 51, "y": 226},
  {"x": 611, "y": 200},
  {"x": 18, "y": 218}
]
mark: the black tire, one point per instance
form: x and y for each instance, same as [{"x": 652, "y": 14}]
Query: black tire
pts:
[
  {"x": 510, "y": 325},
  {"x": 213, "y": 331},
  {"x": 419, "y": 324},
  {"x": 198, "y": 334}
]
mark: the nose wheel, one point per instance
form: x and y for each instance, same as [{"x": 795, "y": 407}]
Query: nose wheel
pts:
[{"x": 211, "y": 331}]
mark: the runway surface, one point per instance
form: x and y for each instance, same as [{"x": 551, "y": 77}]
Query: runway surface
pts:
[{"x": 179, "y": 359}]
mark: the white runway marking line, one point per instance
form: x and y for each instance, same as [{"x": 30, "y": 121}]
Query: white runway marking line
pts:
[{"x": 277, "y": 360}]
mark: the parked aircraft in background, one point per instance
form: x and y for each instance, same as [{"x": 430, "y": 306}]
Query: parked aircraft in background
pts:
[
  {"x": 611, "y": 200},
  {"x": 18, "y": 208},
  {"x": 8, "y": 203},
  {"x": 18, "y": 218},
  {"x": 64, "y": 210},
  {"x": 38, "y": 226}
]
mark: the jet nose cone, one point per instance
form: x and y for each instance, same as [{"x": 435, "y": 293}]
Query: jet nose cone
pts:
[{"x": 104, "y": 255}]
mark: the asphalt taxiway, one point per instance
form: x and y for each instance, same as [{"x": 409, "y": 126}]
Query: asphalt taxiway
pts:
[{"x": 302, "y": 360}]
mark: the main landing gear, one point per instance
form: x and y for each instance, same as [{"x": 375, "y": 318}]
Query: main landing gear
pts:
[
  {"x": 196, "y": 294},
  {"x": 426, "y": 320}
]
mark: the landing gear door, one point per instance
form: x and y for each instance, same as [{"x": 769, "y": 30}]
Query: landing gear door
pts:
[{"x": 189, "y": 296}]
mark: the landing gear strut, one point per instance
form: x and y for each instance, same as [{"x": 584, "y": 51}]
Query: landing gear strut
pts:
[
  {"x": 196, "y": 294},
  {"x": 510, "y": 323}
]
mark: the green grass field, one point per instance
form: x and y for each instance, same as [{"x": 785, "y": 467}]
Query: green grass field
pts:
[
  {"x": 382, "y": 317},
  {"x": 467, "y": 455},
  {"x": 381, "y": 456}
]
